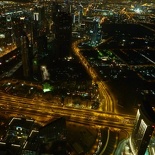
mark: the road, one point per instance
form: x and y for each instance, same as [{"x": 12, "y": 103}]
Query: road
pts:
[
  {"x": 8, "y": 49},
  {"x": 106, "y": 100},
  {"x": 43, "y": 111},
  {"x": 11, "y": 72}
]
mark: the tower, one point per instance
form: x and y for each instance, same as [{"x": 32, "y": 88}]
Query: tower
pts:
[
  {"x": 80, "y": 13},
  {"x": 9, "y": 29},
  {"x": 35, "y": 26},
  {"x": 143, "y": 129},
  {"x": 63, "y": 32},
  {"x": 26, "y": 56},
  {"x": 25, "y": 62}
]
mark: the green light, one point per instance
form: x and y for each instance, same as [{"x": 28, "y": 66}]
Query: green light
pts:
[
  {"x": 35, "y": 62},
  {"x": 47, "y": 87}
]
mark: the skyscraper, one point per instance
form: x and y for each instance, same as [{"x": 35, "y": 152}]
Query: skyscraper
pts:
[
  {"x": 143, "y": 129},
  {"x": 9, "y": 29},
  {"x": 63, "y": 31},
  {"x": 27, "y": 56}
]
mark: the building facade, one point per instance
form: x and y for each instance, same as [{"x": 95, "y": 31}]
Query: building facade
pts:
[
  {"x": 27, "y": 56},
  {"x": 63, "y": 34},
  {"x": 143, "y": 129}
]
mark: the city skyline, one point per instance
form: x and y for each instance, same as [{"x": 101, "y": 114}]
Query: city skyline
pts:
[{"x": 89, "y": 63}]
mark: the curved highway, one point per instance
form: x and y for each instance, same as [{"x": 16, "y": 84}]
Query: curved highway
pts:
[{"x": 107, "y": 103}]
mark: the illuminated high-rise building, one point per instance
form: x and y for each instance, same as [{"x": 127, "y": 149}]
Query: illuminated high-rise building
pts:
[
  {"x": 95, "y": 31},
  {"x": 9, "y": 29},
  {"x": 24, "y": 51},
  {"x": 26, "y": 56},
  {"x": 143, "y": 129},
  {"x": 35, "y": 26},
  {"x": 80, "y": 13},
  {"x": 38, "y": 21}
]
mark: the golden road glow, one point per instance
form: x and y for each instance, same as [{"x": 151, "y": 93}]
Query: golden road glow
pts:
[{"x": 107, "y": 104}]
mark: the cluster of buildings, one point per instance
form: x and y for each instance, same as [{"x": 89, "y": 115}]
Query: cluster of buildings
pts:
[
  {"x": 143, "y": 130},
  {"x": 142, "y": 139},
  {"x": 27, "y": 30},
  {"x": 24, "y": 137},
  {"x": 33, "y": 27}
]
